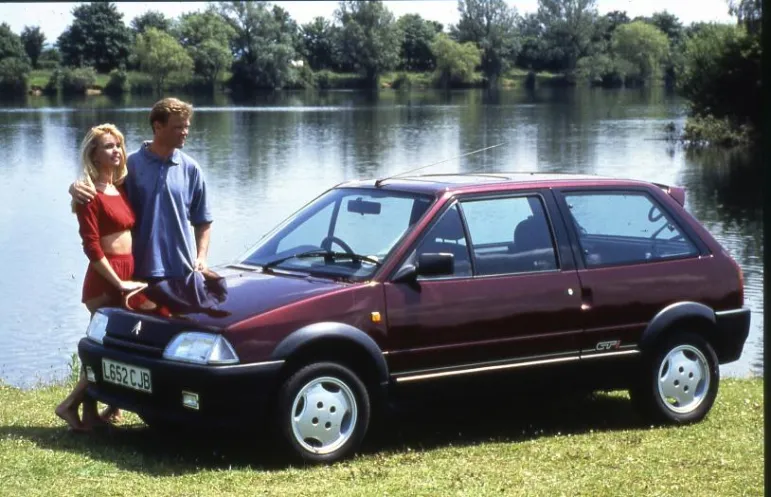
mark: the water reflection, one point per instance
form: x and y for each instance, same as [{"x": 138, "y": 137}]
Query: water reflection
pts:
[
  {"x": 725, "y": 194},
  {"x": 266, "y": 156}
]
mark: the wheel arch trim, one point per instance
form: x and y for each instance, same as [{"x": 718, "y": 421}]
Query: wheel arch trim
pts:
[
  {"x": 673, "y": 313},
  {"x": 317, "y": 333}
]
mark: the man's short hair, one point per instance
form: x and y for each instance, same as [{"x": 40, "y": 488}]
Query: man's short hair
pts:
[{"x": 168, "y": 107}]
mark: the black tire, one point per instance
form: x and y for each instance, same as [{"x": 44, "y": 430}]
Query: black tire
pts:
[
  {"x": 679, "y": 380},
  {"x": 323, "y": 413}
]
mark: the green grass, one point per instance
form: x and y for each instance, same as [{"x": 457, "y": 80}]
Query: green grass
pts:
[{"x": 593, "y": 447}]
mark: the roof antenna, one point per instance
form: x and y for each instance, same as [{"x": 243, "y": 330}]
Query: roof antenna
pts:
[{"x": 380, "y": 181}]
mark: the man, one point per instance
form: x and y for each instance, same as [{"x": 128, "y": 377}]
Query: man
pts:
[{"x": 167, "y": 192}]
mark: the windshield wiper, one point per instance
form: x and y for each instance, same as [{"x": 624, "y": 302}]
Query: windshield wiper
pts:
[{"x": 323, "y": 253}]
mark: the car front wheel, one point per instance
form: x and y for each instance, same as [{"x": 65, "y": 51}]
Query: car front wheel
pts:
[
  {"x": 679, "y": 382},
  {"x": 323, "y": 412}
]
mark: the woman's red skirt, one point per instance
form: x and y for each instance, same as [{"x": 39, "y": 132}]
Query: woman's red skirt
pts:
[{"x": 95, "y": 285}]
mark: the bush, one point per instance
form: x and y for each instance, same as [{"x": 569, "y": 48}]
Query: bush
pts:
[
  {"x": 141, "y": 83},
  {"x": 326, "y": 79},
  {"x": 605, "y": 71},
  {"x": 722, "y": 75},
  {"x": 455, "y": 62},
  {"x": 300, "y": 78},
  {"x": 14, "y": 77},
  {"x": 47, "y": 65},
  {"x": 402, "y": 81},
  {"x": 708, "y": 130},
  {"x": 323, "y": 79},
  {"x": 118, "y": 83}
]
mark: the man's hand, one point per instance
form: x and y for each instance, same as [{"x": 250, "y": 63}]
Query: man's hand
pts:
[
  {"x": 81, "y": 192},
  {"x": 200, "y": 264}
]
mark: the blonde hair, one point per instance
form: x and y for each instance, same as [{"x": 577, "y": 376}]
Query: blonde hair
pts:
[
  {"x": 168, "y": 107},
  {"x": 87, "y": 147}
]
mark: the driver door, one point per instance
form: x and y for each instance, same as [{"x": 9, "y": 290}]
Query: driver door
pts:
[
  {"x": 497, "y": 315},
  {"x": 634, "y": 260}
]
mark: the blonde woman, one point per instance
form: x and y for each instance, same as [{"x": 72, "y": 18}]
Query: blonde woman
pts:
[{"x": 105, "y": 228}]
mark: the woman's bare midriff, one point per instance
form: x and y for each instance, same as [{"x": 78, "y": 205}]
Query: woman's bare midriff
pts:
[{"x": 116, "y": 243}]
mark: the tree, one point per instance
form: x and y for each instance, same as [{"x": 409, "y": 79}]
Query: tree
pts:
[
  {"x": 159, "y": 55},
  {"x": 569, "y": 27},
  {"x": 417, "y": 36},
  {"x": 455, "y": 62},
  {"x": 14, "y": 73},
  {"x": 643, "y": 45},
  {"x": 261, "y": 49},
  {"x": 369, "y": 37},
  {"x": 722, "y": 75},
  {"x": 150, "y": 19},
  {"x": 669, "y": 24},
  {"x": 97, "y": 37},
  {"x": 14, "y": 64},
  {"x": 320, "y": 43},
  {"x": 605, "y": 26},
  {"x": 533, "y": 53},
  {"x": 748, "y": 12},
  {"x": 10, "y": 44},
  {"x": 206, "y": 37},
  {"x": 33, "y": 40},
  {"x": 491, "y": 24},
  {"x": 288, "y": 25}
]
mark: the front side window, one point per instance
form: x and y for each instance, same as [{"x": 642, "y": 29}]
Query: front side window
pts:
[
  {"x": 344, "y": 233},
  {"x": 447, "y": 236},
  {"x": 625, "y": 228},
  {"x": 509, "y": 235}
]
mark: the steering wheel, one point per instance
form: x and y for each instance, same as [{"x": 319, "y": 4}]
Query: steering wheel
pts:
[
  {"x": 327, "y": 242},
  {"x": 653, "y": 218}
]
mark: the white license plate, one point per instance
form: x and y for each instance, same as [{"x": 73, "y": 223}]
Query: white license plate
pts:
[{"x": 127, "y": 375}]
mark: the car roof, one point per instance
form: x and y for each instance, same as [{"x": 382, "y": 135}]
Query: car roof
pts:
[{"x": 481, "y": 182}]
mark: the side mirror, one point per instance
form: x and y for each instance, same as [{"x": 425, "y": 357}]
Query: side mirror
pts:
[
  {"x": 427, "y": 265},
  {"x": 440, "y": 264}
]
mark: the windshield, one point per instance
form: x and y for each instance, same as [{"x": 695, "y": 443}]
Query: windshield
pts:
[{"x": 345, "y": 233}]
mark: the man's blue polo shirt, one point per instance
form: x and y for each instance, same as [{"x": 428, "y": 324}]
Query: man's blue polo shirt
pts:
[{"x": 167, "y": 197}]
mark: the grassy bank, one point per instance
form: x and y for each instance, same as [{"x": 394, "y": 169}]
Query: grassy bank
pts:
[
  {"x": 142, "y": 82},
  {"x": 594, "y": 447}
]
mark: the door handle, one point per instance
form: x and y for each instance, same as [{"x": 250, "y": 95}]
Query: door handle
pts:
[{"x": 587, "y": 298}]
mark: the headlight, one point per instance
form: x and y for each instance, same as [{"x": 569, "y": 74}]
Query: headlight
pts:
[
  {"x": 200, "y": 348},
  {"x": 97, "y": 328}
]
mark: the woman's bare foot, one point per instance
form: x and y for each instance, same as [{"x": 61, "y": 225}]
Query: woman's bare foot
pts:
[
  {"x": 111, "y": 415},
  {"x": 70, "y": 416},
  {"x": 92, "y": 420}
]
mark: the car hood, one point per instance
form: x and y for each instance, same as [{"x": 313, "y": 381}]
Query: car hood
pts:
[{"x": 228, "y": 295}]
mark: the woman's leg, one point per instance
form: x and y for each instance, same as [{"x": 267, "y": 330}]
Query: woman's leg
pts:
[
  {"x": 90, "y": 413},
  {"x": 68, "y": 409}
]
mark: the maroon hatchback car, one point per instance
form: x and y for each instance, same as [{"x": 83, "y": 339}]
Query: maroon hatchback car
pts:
[{"x": 378, "y": 286}]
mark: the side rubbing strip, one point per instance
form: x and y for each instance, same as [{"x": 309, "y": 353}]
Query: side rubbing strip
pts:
[
  {"x": 482, "y": 369},
  {"x": 602, "y": 355}
]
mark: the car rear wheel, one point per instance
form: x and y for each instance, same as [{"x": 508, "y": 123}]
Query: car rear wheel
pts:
[
  {"x": 323, "y": 412},
  {"x": 679, "y": 382}
]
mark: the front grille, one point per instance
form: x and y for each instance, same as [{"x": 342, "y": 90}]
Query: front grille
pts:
[{"x": 145, "y": 350}]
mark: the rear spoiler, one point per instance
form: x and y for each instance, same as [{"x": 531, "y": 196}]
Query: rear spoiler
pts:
[{"x": 676, "y": 192}]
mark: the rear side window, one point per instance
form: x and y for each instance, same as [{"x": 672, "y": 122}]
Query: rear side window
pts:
[
  {"x": 625, "y": 228},
  {"x": 509, "y": 235}
]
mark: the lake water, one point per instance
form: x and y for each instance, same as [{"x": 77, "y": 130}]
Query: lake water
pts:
[{"x": 266, "y": 157}]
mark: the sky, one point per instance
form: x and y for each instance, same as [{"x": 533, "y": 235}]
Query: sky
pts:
[{"x": 53, "y": 18}]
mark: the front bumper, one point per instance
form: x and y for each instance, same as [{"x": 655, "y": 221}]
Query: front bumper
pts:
[
  {"x": 228, "y": 395},
  {"x": 733, "y": 327}
]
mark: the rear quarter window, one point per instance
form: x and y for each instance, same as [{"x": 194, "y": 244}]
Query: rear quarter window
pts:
[{"x": 625, "y": 228}]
